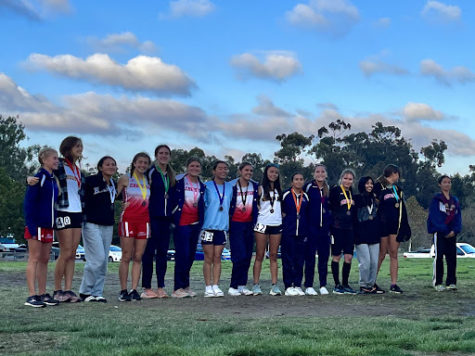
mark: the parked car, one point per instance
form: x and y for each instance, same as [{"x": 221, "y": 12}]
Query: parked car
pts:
[
  {"x": 464, "y": 250},
  {"x": 9, "y": 244},
  {"x": 171, "y": 255},
  {"x": 80, "y": 253},
  {"x": 115, "y": 253},
  {"x": 200, "y": 256}
]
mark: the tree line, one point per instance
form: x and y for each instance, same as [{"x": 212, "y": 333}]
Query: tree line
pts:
[{"x": 334, "y": 145}]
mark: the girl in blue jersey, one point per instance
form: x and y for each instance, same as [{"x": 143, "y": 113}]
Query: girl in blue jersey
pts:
[
  {"x": 39, "y": 205},
  {"x": 243, "y": 214},
  {"x": 294, "y": 235},
  {"x": 268, "y": 228},
  {"x": 161, "y": 178},
  {"x": 445, "y": 223},
  {"x": 319, "y": 230},
  {"x": 188, "y": 216},
  {"x": 213, "y": 236}
]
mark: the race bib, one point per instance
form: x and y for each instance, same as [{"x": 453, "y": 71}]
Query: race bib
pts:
[
  {"x": 261, "y": 228},
  {"x": 207, "y": 236}
]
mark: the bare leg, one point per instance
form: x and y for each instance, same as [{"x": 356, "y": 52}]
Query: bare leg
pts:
[
  {"x": 34, "y": 253},
  {"x": 393, "y": 261},
  {"x": 274, "y": 242},
  {"x": 127, "y": 245},
  {"x": 383, "y": 250},
  {"x": 261, "y": 243},
  {"x": 218, "y": 250},
  {"x": 42, "y": 267},
  {"x": 137, "y": 261},
  {"x": 207, "y": 263}
]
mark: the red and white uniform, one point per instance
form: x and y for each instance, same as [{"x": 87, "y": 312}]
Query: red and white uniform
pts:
[
  {"x": 243, "y": 213},
  {"x": 42, "y": 234},
  {"x": 134, "y": 220},
  {"x": 189, "y": 214}
]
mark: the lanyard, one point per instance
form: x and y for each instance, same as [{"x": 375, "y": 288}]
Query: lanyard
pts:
[
  {"x": 112, "y": 191},
  {"x": 370, "y": 208},
  {"x": 221, "y": 198},
  {"x": 242, "y": 193},
  {"x": 195, "y": 190},
  {"x": 348, "y": 201},
  {"x": 143, "y": 188},
  {"x": 395, "y": 193},
  {"x": 75, "y": 170},
  {"x": 166, "y": 180},
  {"x": 297, "y": 201}
]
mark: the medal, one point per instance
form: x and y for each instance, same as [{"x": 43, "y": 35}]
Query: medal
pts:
[
  {"x": 323, "y": 210},
  {"x": 297, "y": 201},
  {"x": 272, "y": 211},
  {"x": 165, "y": 179},
  {"x": 396, "y": 205},
  {"x": 221, "y": 197},
  {"x": 195, "y": 205},
  {"x": 143, "y": 188},
  {"x": 298, "y": 216},
  {"x": 371, "y": 217},
  {"x": 272, "y": 200},
  {"x": 348, "y": 213},
  {"x": 243, "y": 195},
  {"x": 221, "y": 208},
  {"x": 243, "y": 210},
  {"x": 396, "y": 196},
  {"x": 166, "y": 195},
  {"x": 144, "y": 203},
  {"x": 348, "y": 201}
]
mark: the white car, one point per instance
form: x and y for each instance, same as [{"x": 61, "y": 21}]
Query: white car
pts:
[
  {"x": 115, "y": 253},
  {"x": 464, "y": 250}
]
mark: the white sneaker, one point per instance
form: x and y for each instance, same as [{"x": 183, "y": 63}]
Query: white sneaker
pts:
[
  {"x": 310, "y": 291},
  {"x": 291, "y": 292},
  {"x": 234, "y": 292},
  {"x": 299, "y": 291},
  {"x": 217, "y": 292},
  {"x": 209, "y": 292},
  {"x": 244, "y": 291},
  {"x": 323, "y": 290}
]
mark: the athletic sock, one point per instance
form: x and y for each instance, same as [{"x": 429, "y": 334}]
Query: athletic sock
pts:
[
  {"x": 346, "y": 272},
  {"x": 336, "y": 272}
]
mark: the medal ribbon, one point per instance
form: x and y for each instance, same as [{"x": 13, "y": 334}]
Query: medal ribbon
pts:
[
  {"x": 112, "y": 191},
  {"x": 348, "y": 201},
  {"x": 243, "y": 196},
  {"x": 143, "y": 188},
  {"x": 76, "y": 171},
  {"x": 196, "y": 191},
  {"x": 221, "y": 198},
  {"x": 297, "y": 201},
  {"x": 395, "y": 193},
  {"x": 166, "y": 180},
  {"x": 272, "y": 199}
]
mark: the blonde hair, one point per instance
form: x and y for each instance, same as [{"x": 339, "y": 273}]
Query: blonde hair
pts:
[
  {"x": 345, "y": 172},
  {"x": 44, "y": 153}
]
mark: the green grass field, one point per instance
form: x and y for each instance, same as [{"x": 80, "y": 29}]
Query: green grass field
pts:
[{"x": 419, "y": 322}]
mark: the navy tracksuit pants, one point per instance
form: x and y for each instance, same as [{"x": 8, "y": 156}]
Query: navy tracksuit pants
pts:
[
  {"x": 448, "y": 247},
  {"x": 319, "y": 242},
  {"x": 186, "y": 240},
  {"x": 241, "y": 239},
  {"x": 157, "y": 245},
  {"x": 293, "y": 258}
]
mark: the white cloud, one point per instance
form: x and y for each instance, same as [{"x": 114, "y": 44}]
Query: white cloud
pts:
[
  {"x": 439, "y": 11},
  {"x": 141, "y": 73},
  {"x": 421, "y": 111},
  {"x": 267, "y": 108},
  {"x": 277, "y": 66},
  {"x": 335, "y": 17},
  {"x": 383, "y": 22},
  {"x": 457, "y": 74},
  {"x": 37, "y": 10},
  {"x": 370, "y": 67},
  {"x": 120, "y": 42},
  {"x": 189, "y": 8}
]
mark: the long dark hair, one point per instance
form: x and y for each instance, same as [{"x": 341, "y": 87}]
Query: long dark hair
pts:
[
  {"x": 67, "y": 145},
  {"x": 136, "y": 157},
  {"x": 266, "y": 183},
  {"x": 368, "y": 198},
  {"x": 101, "y": 162},
  {"x": 170, "y": 172},
  {"x": 387, "y": 172}
]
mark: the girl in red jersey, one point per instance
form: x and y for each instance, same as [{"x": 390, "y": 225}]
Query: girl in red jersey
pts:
[{"x": 134, "y": 226}]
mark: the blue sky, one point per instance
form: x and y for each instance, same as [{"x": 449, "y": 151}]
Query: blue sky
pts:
[{"x": 229, "y": 75}]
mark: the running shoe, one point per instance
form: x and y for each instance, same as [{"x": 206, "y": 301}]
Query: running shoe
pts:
[
  {"x": 291, "y": 292},
  {"x": 311, "y": 291},
  {"x": 366, "y": 290},
  {"x": 451, "y": 287},
  {"x": 244, "y": 290},
  {"x": 324, "y": 290},
  {"x": 101, "y": 299},
  {"x": 217, "y": 291},
  {"x": 348, "y": 290},
  {"x": 439, "y": 288},
  {"x": 180, "y": 293},
  {"x": 124, "y": 296},
  {"x": 275, "y": 290},
  {"x": 89, "y": 298},
  {"x": 190, "y": 292},
  {"x": 395, "y": 289},
  {"x": 134, "y": 295},
  {"x": 162, "y": 293},
  {"x": 299, "y": 290},
  {"x": 148, "y": 294},
  {"x": 49, "y": 300},
  {"x": 34, "y": 301},
  {"x": 378, "y": 289},
  {"x": 256, "y": 289},
  {"x": 59, "y": 295},
  {"x": 209, "y": 293},
  {"x": 338, "y": 289},
  {"x": 234, "y": 292},
  {"x": 72, "y": 297}
]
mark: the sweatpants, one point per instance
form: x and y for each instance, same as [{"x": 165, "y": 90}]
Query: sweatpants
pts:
[
  {"x": 186, "y": 240},
  {"x": 157, "y": 245},
  {"x": 293, "y": 257},
  {"x": 444, "y": 246},
  {"x": 367, "y": 255},
  {"x": 97, "y": 240},
  {"x": 318, "y": 243},
  {"x": 241, "y": 240}
]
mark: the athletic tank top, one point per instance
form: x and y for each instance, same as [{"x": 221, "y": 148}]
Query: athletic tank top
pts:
[
  {"x": 74, "y": 199},
  {"x": 137, "y": 207},
  {"x": 189, "y": 212},
  {"x": 267, "y": 217}
]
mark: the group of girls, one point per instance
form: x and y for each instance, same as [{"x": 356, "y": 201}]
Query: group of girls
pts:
[{"x": 306, "y": 219}]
